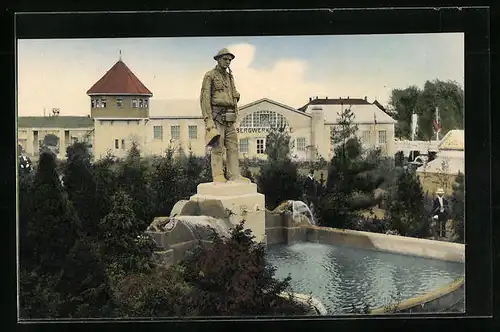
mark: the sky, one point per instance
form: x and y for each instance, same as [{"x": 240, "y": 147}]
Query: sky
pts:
[{"x": 56, "y": 73}]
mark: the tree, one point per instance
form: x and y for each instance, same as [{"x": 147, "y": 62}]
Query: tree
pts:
[
  {"x": 399, "y": 159},
  {"x": 51, "y": 142},
  {"x": 192, "y": 169},
  {"x": 106, "y": 181},
  {"x": 458, "y": 207},
  {"x": 278, "y": 144},
  {"x": 133, "y": 178},
  {"x": 123, "y": 246},
  {"x": 232, "y": 277},
  {"x": 344, "y": 129},
  {"x": 350, "y": 185},
  {"x": 81, "y": 187},
  {"x": 245, "y": 169},
  {"x": 48, "y": 232},
  {"x": 403, "y": 102},
  {"x": 165, "y": 183},
  {"x": 448, "y": 96},
  {"x": 278, "y": 178},
  {"x": 442, "y": 178},
  {"x": 51, "y": 226},
  {"x": 406, "y": 212}
]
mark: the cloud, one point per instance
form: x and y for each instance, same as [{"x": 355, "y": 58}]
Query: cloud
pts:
[
  {"x": 58, "y": 73},
  {"x": 284, "y": 81}
]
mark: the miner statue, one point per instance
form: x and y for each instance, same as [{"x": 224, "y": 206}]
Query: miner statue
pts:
[{"x": 218, "y": 100}]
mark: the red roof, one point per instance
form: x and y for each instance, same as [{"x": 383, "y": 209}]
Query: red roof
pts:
[{"x": 119, "y": 80}]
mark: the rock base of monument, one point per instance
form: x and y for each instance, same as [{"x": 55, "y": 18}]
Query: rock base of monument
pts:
[{"x": 242, "y": 201}]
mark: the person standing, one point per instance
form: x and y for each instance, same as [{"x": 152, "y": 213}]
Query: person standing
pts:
[
  {"x": 441, "y": 211},
  {"x": 218, "y": 100},
  {"x": 311, "y": 189}
]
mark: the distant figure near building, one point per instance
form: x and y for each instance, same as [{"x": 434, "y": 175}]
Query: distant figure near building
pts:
[
  {"x": 218, "y": 100},
  {"x": 440, "y": 211},
  {"x": 311, "y": 189}
]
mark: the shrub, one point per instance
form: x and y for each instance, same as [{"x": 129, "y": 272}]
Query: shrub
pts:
[
  {"x": 458, "y": 207},
  {"x": 406, "y": 212},
  {"x": 350, "y": 185},
  {"x": 369, "y": 224},
  {"x": 161, "y": 293},
  {"x": 280, "y": 181},
  {"x": 232, "y": 277}
]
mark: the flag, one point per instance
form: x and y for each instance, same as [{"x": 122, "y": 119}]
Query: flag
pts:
[
  {"x": 436, "y": 125},
  {"x": 414, "y": 125}
]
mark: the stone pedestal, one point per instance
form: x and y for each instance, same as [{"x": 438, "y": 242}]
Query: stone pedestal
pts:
[{"x": 242, "y": 199}]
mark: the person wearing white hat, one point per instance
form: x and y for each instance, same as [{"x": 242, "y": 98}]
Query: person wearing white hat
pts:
[{"x": 440, "y": 211}]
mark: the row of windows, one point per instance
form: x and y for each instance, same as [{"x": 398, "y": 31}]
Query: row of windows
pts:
[
  {"x": 175, "y": 132},
  {"x": 261, "y": 146},
  {"x": 263, "y": 119},
  {"x": 382, "y": 136},
  {"x": 102, "y": 103}
]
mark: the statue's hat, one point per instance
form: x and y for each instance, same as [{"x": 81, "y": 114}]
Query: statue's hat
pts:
[{"x": 223, "y": 52}]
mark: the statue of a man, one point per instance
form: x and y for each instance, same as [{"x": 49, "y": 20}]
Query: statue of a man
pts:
[{"x": 219, "y": 99}]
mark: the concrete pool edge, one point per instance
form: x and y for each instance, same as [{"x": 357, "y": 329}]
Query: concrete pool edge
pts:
[
  {"x": 426, "y": 301},
  {"x": 440, "y": 250},
  {"x": 436, "y": 300}
]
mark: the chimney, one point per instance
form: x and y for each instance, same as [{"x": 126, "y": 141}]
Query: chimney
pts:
[
  {"x": 340, "y": 98},
  {"x": 365, "y": 98},
  {"x": 326, "y": 98},
  {"x": 310, "y": 99},
  {"x": 347, "y": 97},
  {"x": 316, "y": 97}
]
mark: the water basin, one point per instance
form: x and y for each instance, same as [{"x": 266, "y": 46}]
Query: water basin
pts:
[{"x": 341, "y": 276}]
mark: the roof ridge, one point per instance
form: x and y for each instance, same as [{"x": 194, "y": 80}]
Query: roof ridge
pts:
[
  {"x": 119, "y": 79},
  {"x": 131, "y": 76}
]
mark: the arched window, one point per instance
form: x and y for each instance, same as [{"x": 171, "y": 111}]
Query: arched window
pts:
[{"x": 263, "y": 119}]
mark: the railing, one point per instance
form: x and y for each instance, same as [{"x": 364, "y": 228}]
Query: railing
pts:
[{"x": 421, "y": 146}]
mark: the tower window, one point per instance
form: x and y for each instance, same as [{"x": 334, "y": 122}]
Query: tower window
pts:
[
  {"x": 140, "y": 103},
  {"x": 123, "y": 144},
  {"x": 134, "y": 103},
  {"x": 116, "y": 144},
  {"x": 103, "y": 102},
  {"x": 92, "y": 103},
  {"x": 119, "y": 102},
  {"x": 145, "y": 103}
]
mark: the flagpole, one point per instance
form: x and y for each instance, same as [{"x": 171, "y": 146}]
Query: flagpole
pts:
[{"x": 438, "y": 124}]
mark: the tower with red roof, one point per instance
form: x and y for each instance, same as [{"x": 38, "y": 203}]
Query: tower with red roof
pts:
[
  {"x": 119, "y": 105},
  {"x": 119, "y": 93}
]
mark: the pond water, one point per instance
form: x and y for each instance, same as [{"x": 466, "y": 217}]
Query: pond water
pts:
[{"x": 341, "y": 277}]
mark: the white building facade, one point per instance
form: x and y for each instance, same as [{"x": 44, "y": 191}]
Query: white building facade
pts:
[{"x": 121, "y": 112}]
